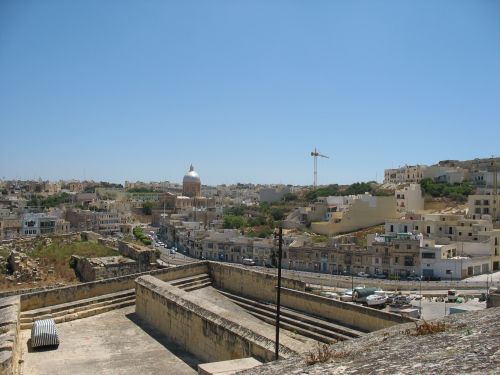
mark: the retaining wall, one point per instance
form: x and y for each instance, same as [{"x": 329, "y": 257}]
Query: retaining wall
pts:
[
  {"x": 356, "y": 316},
  {"x": 209, "y": 332},
  {"x": 10, "y": 308},
  {"x": 249, "y": 282}
]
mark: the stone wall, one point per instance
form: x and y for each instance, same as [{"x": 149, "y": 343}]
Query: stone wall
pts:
[
  {"x": 356, "y": 316},
  {"x": 249, "y": 283},
  {"x": 209, "y": 332},
  {"x": 92, "y": 269},
  {"x": 144, "y": 256},
  {"x": 10, "y": 308},
  {"x": 55, "y": 296}
]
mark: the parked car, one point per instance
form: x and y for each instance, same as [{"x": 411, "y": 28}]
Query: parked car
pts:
[
  {"x": 380, "y": 276},
  {"x": 363, "y": 274},
  {"x": 248, "y": 262},
  {"x": 413, "y": 278},
  {"x": 172, "y": 251}
]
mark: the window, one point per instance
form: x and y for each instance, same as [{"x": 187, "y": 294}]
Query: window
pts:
[
  {"x": 392, "y": 228},
  {"x": 470, "y": 234},
  {"x": 408, "y": 261},
  {"x": 396, "y": 246},
  {"x": 408, "y": 247},
  {"x": 486, "y": 210},
  {"x": 428, "y": 256},
  {"x": 428, "y": 229},
  {"x": 486, "y": 202},
  {"x": 396, "y": 260},
  {"x": 406, "y": 228},
  {"x": 450, "y": 230}
]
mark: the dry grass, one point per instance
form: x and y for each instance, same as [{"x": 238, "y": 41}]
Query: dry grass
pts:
[
  {"x": 54, "y": 263},
  {"x": 426, "y": 328},
  {"x": 323, "y": 353}
]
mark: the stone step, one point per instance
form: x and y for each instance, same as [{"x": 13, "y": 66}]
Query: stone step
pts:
[
  {"x": 299, "y": 316},
  {"x": 86, "y": 313},
  {"x": 48, "y": 314},
  {"x": 75, "y": 304},
  {"x": 194, "y": 283},
  {"x": 298, "y": 325},
  {"x": 295, "y": 329},
  {"x": 199, "y": 286},
  {"x": 189, "y": 279}
]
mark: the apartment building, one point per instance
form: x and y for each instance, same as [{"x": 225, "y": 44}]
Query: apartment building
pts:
[
  {"x": 101, "y": 222},
  {"x": 409, "y": 198},
  {"x": 447, "y": 174},
  {"x": 34, "y": 224},
  {"x": 405, "y": 174},
  {"x": 475, "y": 234},
  {"x": 395, "y": 254},
  {"x": 485, "y": 203}
]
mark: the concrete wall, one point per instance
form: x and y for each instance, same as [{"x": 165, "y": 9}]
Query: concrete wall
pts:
[
  {"x": 206, "y": 330},
  {"x": 249, "y": 283},
  {"x": 9, "y": 335},
  {"x": 50, "y": 297},
  {"x": 356, "y": 316},
  {"x": 361, "y": 214}
]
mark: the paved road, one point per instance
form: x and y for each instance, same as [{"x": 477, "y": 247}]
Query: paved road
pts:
[{"x": 177, "y": 259}]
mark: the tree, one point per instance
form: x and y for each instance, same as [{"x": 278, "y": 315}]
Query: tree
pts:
[
  {"x": 147, "y": 208},
  {"x": 233, "y": 222},
  {"x": 290, "y": 197}
]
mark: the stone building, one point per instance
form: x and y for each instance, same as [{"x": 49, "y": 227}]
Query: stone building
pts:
[{"x": 191, "y": 184}]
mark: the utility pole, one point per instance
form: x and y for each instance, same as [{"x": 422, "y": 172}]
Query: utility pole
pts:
[{"x": 278, "y": 292}]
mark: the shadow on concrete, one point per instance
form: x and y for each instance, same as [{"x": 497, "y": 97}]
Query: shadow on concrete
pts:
[
  {"x": 40, "y": 348},
  {"x": 171, "y": 346}
]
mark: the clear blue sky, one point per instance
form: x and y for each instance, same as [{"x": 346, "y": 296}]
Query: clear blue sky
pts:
[{"x": 244, "y": 90}]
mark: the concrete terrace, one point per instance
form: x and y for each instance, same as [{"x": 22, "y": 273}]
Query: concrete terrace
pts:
[{"x": 116, "y": 342}]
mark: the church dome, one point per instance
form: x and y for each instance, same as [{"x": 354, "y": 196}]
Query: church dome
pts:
[{"x": 191, "y": 176}]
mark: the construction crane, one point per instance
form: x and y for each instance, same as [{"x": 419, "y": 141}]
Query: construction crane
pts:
[{"x": 315, "y": 154}]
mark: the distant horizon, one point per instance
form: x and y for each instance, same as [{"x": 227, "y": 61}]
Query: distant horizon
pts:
[
  {"x": 245, "y": 91},
  {"x": 179, "y": 182}
]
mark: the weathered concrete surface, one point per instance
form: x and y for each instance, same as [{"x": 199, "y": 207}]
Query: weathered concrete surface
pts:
[
  {"x": 249, "y": 283},
  {"x": 10, "y": 308},
  {"x": 57, "y": 296},
  {"x": 207, "y": 330},
  {"x": 214, "y": 296},
  {"x": 111, "y": 343},
  {"x": 227, "y": 367},
  {"x": 469, "y": 345}
]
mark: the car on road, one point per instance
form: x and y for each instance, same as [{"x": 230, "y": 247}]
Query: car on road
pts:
[
  {"x": 172, "y": 251},
  {"x": 249, "y": 262},
  {"x": 414, "y": 278}
]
